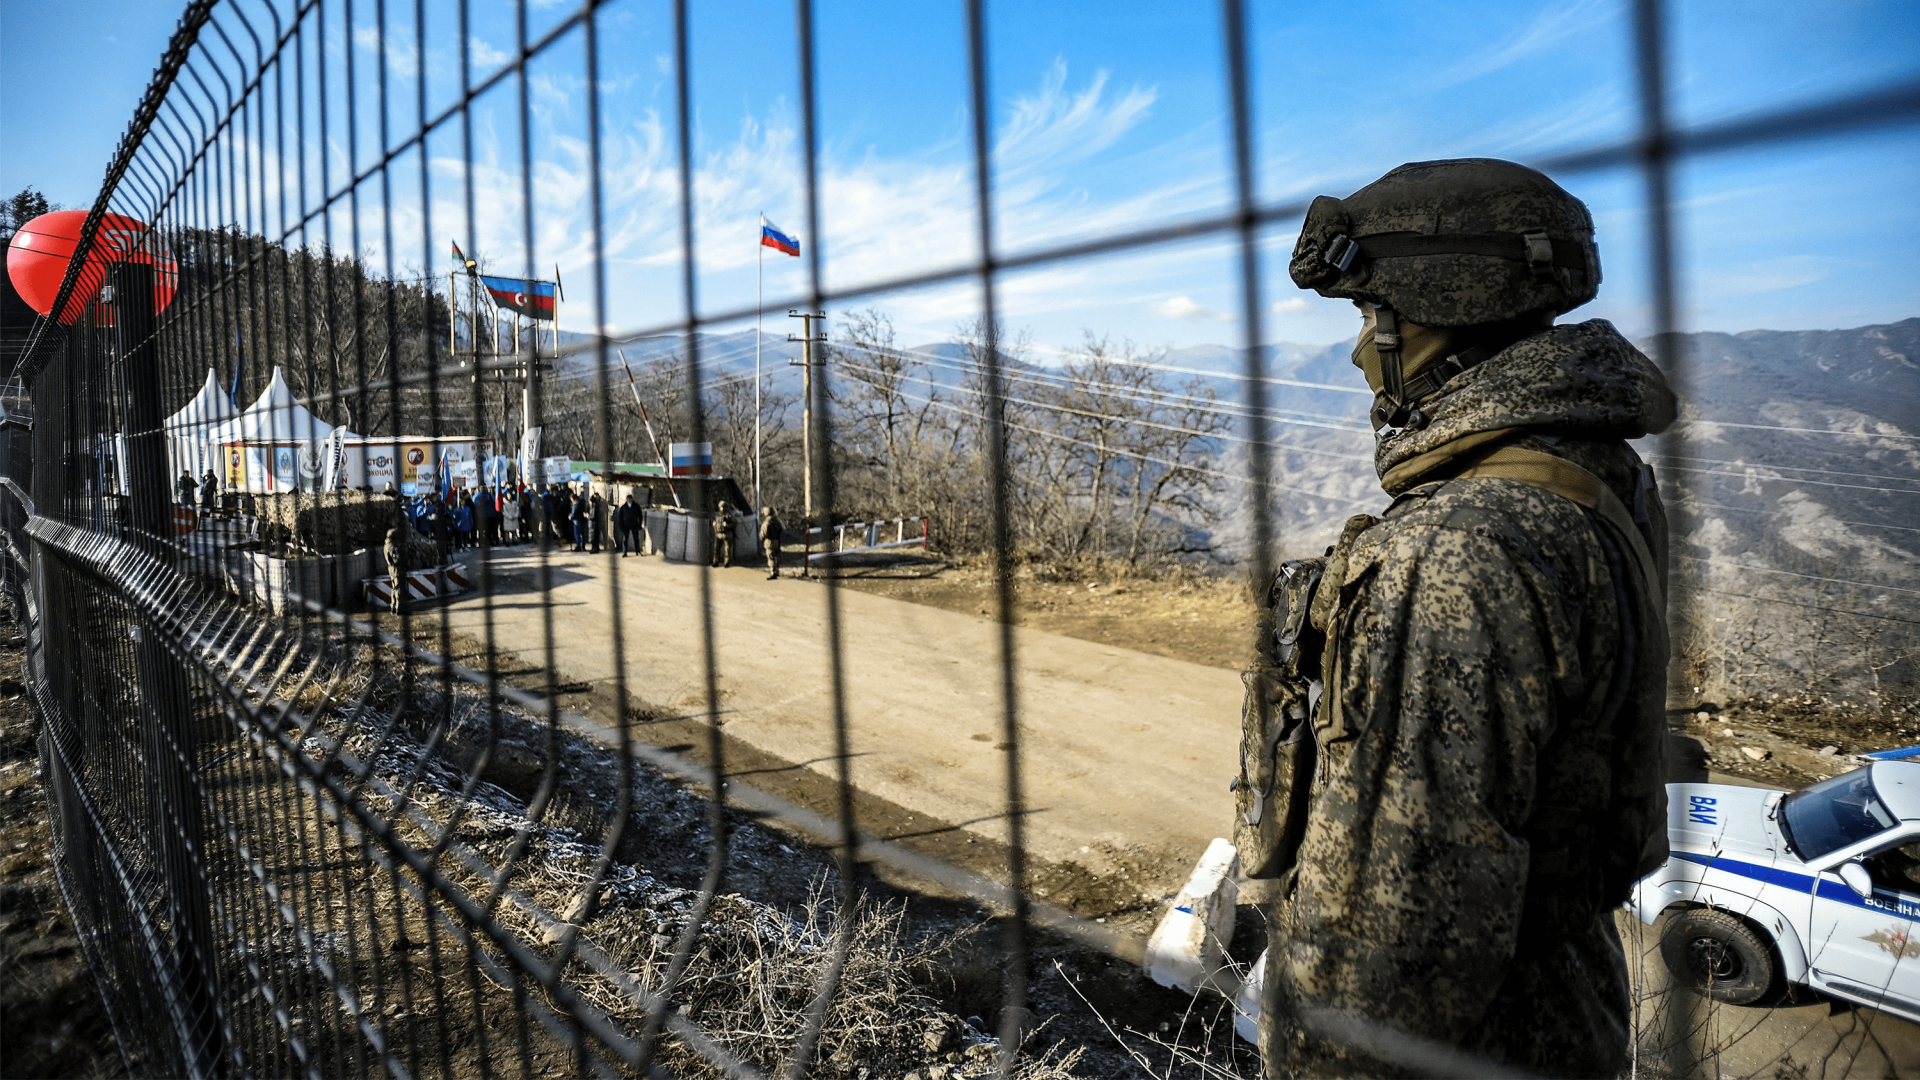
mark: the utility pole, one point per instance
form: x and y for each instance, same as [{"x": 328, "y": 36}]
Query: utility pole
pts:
[{"x": 807, "y": 341}]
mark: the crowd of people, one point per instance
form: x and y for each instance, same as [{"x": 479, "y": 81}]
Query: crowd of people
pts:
[
  {"x": 462, "y": 519},
  {"x": 562, "y": 514}
]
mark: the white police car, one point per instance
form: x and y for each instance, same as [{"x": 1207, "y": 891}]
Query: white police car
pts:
[{"x": 1819, "y": 887}]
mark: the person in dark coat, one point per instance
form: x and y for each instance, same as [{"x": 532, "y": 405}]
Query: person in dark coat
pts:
[
  {"x": 599, "y": 522},
  {"x": 496, "y": 519},
  {"x": 209, "y": 491},
  {"x": 628, "y": 521},
  {"x": 440, "y": 527},
  {"x": 549, "y": 515},
  {"x": 582, "y": 514},
  {"x": 185, "y": 487}
]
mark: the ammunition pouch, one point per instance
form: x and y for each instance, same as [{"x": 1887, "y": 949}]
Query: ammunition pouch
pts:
[{"x": 1277, "y": 748}]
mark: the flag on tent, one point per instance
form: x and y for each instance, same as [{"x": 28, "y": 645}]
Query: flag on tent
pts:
[
  {"x": 771, "y": 236},
  {"x": 530, "y": 298},
  {"x": 239, "y": 361},
  {"x": 460, "y": 257}
]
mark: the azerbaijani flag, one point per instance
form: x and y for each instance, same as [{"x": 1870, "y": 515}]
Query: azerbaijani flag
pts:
[
  {"x": 531, "y": 298},
  {"x": 771, "y": 236},
  {"x": 461, "y": 257}
]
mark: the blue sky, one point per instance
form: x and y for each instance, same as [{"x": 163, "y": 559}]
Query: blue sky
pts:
[{"x": 1106, "y": 116}]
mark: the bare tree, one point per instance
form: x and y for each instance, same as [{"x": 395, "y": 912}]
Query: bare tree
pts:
[
  {"x": 1136, "y": 455},
  {"x": 1105, "y": 456}
]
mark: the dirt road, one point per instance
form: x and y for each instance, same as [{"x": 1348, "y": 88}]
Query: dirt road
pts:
[
  {"x": 1126, "y": 754},
  {"x": 1121, "y": 750}
]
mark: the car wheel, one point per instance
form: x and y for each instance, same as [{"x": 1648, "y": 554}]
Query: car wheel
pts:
[{"x": 1719, "y": 955}]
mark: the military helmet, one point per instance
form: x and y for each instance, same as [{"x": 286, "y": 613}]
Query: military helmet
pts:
[{"x": 1452, "y": 243}]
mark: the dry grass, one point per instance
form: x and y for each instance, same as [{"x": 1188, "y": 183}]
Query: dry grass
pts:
[{"x": 754, "y": 968}]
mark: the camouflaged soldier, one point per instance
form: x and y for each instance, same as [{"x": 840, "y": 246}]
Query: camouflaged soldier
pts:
[
  {"x": 722, "y": 553},
  {"x": 1484, "y": 775},
  {"x": 771, "y": 528},
  {"x": 395, "y": 550}
]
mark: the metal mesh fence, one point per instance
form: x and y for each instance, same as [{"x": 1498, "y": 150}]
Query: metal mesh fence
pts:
[{"x": 299, "y": 836}]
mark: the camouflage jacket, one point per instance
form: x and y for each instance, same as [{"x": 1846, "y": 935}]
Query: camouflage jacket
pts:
[{"x": 1491, "y": 737}]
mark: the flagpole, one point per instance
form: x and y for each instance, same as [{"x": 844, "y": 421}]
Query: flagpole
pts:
[{"x": 759, "y": 316}]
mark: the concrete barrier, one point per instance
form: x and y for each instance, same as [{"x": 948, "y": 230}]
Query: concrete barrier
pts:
[{"x": 284, "y": 585}]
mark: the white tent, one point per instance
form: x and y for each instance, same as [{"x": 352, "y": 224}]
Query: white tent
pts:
[
  {"x": 281, "y": 441},
  {"x": 188, "y": 429}
]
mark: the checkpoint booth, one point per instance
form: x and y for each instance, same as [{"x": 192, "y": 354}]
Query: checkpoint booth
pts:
[{"x": 677, "y": 511}]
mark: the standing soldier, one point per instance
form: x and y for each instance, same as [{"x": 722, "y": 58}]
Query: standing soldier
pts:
[
  {"x": 1459, "y": 813},
  {"x": 770, "y": 528},
  {"x": 723, "y": 535},
  {"x": 396, "y": 553},
  {"x": 599, "y": 522}
]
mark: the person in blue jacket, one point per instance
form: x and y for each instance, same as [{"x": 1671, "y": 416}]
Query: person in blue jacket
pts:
[{"x": 462, "y": 521}]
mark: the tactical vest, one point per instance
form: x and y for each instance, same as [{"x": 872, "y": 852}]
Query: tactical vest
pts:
[{"x": 1283, "y": 755}]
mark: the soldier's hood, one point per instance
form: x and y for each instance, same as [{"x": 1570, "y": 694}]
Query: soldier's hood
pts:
[{"x": 1580, "y": 380}]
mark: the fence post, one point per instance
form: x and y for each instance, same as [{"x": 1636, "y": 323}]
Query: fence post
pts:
[{"x": 168, "y": 735}]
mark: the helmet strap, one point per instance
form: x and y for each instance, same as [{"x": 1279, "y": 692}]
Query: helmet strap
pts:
[{"x": 1390, "y": 404}]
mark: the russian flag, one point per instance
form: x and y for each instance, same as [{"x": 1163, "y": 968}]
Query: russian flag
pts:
[{"x": 771, "y": 236}]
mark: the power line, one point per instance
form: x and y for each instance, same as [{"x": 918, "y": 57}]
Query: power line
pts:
[
  {"x": 1223, "y": 436},
  {"x": 1049, "y": 377},
  {"x": 1129, "y": 454},
  {"x": 1271, "y": 380},
  {"x": 1781, "y": 514},
  {"x": 1799, "y": 430},
  {"x": 1794, "y": 468},
  {"x": 1791, "y": 573},
  {"x": 1793, "y": 603},
  {"x": 1793, "y": 480}
]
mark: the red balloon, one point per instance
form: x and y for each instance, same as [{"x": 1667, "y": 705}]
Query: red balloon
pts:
[{"x": 41, "y": 250}]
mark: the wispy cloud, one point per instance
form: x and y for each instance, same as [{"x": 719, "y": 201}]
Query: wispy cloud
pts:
[
  {"x": 1602, "y": 112},
  {"x": 1186, "y": 308},
  {"x": 1554, "y": 24},
  {"x": 1053, "y": 126},
  {"x": 402, "y": 58},
  {"x": 1765, "y": 275},
  {"x": 882, "y": 214},
  {"x": 485, "y": 57}
]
